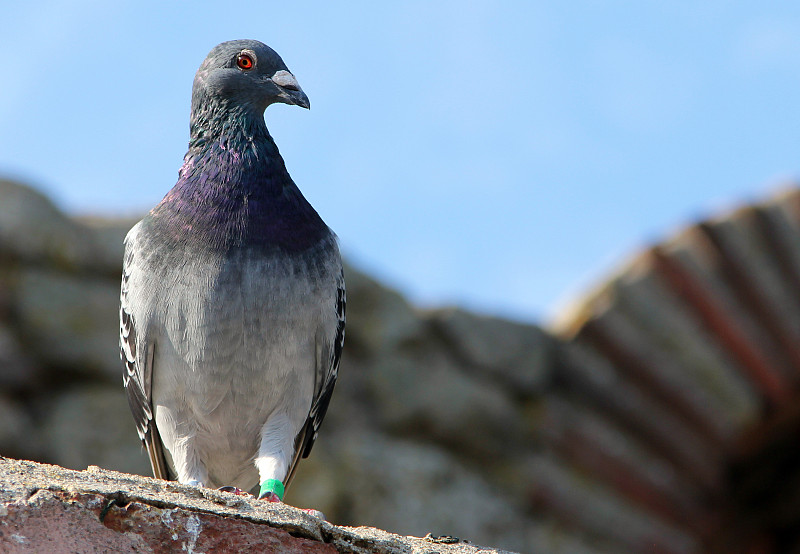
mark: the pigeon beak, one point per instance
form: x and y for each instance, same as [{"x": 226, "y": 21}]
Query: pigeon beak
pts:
[{"x": 291, "y": 93}]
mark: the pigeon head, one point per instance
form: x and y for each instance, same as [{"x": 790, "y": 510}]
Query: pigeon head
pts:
[{"x": 245, "y": 74}]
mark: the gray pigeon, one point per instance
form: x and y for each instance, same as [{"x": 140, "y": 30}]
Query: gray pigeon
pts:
[{"x": 233, "y": 300}]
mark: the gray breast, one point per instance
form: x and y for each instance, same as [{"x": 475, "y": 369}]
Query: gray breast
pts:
[{"x": 238, "y": 342}]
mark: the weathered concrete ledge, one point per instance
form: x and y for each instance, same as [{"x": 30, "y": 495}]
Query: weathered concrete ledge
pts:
[{"x": 46, "y": 508}]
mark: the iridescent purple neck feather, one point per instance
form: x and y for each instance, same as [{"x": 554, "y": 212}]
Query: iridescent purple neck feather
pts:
[{"x": 234, "y": 190}]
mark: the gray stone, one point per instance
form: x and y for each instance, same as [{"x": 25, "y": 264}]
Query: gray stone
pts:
[
  {"x": 587, "y": 373},
  {"x": 741, "y": 234},
  {"x": 661, "y": 314},
  {"x": 32, "y": 229},
  {"x": 601, "y": 512},
  {"x": 17, "y": 370},
  {"x": 517, "y": 355},
  {"x": 108, "y": 235},
  {"x": 696, "y": 256},
  {"x": 92, "y": 426},
  {"x": 409, "y": 488},
  {"x": 19, "y": 436},
  {"x": 421, "y": 391},
  {"x": 70, "y": 321},
  {"x": 378, "y": 318}
]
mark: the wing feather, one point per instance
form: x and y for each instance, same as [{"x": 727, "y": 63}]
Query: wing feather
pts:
[
  {"x": 324, "y": 390},
  {"x": 137, "y": 358}
]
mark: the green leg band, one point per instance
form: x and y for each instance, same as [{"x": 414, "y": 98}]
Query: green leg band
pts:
[{"x": 272, "y": 485}]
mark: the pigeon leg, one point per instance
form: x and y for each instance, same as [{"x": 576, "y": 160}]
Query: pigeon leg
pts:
[
  {"x": 277, "y": 441},
  {"x": 273, "y": 460},
  {"x": 180, "y": 448},
  {"x": 187, "y": 463}
]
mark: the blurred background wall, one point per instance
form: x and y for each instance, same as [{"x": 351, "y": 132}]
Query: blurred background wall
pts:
[{"x": 658, "y": 414}]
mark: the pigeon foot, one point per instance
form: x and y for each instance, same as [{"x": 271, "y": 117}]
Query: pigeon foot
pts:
[{"x": 269, "y": 496}]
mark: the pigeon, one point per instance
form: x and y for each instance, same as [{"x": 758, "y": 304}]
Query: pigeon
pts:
[{"x": 232, "y": 305}]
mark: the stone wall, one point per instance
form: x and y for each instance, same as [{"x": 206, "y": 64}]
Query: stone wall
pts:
[{"x": 657, "y": 415}]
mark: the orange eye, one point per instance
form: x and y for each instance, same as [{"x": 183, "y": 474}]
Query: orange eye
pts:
[{"x": 244, "y": 61}]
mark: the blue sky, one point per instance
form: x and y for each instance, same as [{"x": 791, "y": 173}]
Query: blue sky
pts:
[{"x": 503, "y": 156}]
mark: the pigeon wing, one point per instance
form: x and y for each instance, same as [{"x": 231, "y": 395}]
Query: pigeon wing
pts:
[
  {"x": 137, "y": 358},
  {"x": 328, "y": 357}
]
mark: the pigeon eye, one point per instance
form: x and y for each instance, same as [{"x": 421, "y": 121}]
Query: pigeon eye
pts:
[{"x": 244, "y": 61}]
